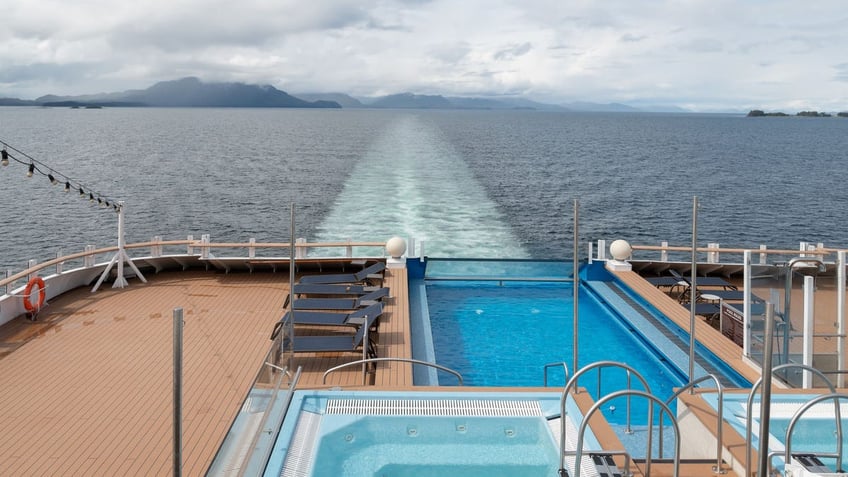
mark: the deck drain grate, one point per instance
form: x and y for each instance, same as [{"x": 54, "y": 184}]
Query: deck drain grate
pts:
[{"x": 433, "y": 407}]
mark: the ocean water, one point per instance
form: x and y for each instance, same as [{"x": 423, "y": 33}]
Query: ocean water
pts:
[{"x": 467, "y": 183}]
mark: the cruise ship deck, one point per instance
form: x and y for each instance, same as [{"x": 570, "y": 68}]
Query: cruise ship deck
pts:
[{"x": 86, "y": 389}]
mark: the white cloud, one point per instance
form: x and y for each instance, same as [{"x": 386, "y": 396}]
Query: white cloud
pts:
[{"x": 697, "y": 52}]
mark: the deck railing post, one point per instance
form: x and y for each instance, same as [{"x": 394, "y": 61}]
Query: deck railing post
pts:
[
  {"x": 89, "y": 260},
  {"x": 59, "y": 265},
  {"x": 602, "y": 249},
  {"x": 251, "y": 250},
  {"x": 189, "y": 248},
  {"x": 31, "y": 264},
  {"x": 664, "y": 252},
  {"x": 204, "y": 250},
  {"x": 763, "y": 255},
  {"x": 8, "y": 285},
  {"x": 746, "y": 303}
]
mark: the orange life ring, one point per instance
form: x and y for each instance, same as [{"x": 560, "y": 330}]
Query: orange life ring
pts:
[{"x": 39, "y": 282}]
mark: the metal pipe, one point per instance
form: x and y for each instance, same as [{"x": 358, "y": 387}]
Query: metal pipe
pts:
[
  {"x": 692, "y": 289},
  {"x": 576, "y": 272},
  {"x": 840, "y": 315},
  {"x": 402, "y": 360},
  {"x": 809, "y": 404},
  {"x": 290, "y": 325},
  {"x": 765, "y": 395},
  {"x": 178, "y": 392},
  {"x": 750, "y": 404}
]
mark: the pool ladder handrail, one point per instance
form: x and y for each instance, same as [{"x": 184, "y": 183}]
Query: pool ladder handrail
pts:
[
  {"x": 717, "y": 468},
  {"x": 651, "y": 401},
  {"x": 749, "y": 405},
  {"x": 797, "y": 416},
  {"x": 403, "y": 360},
  {"x": 553, "y": 365},
  {"x": 572, "y": 383}
]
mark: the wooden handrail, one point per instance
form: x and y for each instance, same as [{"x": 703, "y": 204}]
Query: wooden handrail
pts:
[{"x": 660, "y": 248}]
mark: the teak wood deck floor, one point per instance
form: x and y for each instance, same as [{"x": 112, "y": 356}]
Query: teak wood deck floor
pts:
[{"x": 87, "y": 389}]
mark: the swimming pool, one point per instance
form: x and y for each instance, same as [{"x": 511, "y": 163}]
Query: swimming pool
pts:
[
  {"x": 423, "y": 434},
  {"x": 501, "y": 330}
]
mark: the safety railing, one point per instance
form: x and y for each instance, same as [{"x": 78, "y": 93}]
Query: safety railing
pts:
[
  {"x": 649, "y": 450},
  {"x": 402, "y": 360},
  {"x": 192, "y": 247},
  {"x": 749, "y": 406},
  {"x": 800, "y": 412},
  {"x": 572, "y": 385},
  {"x": 561, "y": 364}
]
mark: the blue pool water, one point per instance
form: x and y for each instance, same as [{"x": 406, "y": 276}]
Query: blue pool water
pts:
[
  {"x": 503, "y": 332},
  {"x": 412, "y": 440}
]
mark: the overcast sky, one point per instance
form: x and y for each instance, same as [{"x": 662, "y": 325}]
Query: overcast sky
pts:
[{"x": 698, "y": 54}]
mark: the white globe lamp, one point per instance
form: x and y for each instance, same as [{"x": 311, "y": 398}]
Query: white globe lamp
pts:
[
  {"x": 396, "y": 247},
  {"x": 620, "y": 251}
]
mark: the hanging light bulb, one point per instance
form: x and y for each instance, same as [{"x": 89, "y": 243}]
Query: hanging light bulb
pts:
[
  {"x": 52, "y": 179},
  {"x": 31, "y": 169},
  {"x": 5, "y": 156},
  {"x": 67, "y": 186}
]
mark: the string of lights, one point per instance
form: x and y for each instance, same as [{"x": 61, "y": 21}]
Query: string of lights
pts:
[{"x": 9, "y": 152}]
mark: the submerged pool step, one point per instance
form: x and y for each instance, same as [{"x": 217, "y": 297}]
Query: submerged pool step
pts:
[{"x": 433, "y": 407}]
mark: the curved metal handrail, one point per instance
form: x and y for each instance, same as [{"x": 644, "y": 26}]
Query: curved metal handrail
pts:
[
  {"x": 750, "y": 405},
  {"x": 651, "y": 399},
  {"x": 719, "y": 421},
  {"x": 551, "y": 365},
  {"x": 812, "y": 402},
  {"x": 403, "y": 360},
  {"x": 572, "y": 383}
]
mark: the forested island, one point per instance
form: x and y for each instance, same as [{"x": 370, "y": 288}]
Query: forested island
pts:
[{"x": 758, "y": 113}]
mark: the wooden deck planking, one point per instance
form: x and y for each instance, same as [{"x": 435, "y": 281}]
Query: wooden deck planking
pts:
[
  {"x": 90, "y": 393},
  {"x": 725, "y": 349}
]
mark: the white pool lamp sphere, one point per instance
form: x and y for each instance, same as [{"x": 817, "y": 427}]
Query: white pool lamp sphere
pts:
[
  {"x": 396, "y": 247},
  {"x": 620, "y": 250}
]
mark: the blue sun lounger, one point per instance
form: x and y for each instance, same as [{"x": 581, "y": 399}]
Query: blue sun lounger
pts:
[
  {"x": 340, "y": 303},
  {"x": 358, "y": 277},
  {"x": 335, "y": 343},
  {"x": 330, "y": 289},
  {"x": 329, "y": 318}
]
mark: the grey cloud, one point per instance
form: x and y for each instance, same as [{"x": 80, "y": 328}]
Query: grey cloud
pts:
[
  {"x": 630, "y": 38},
  {"x": 513, "y": 51}
]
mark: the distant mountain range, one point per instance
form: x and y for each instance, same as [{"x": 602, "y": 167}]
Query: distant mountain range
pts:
[{"x": 192, "y": 92}]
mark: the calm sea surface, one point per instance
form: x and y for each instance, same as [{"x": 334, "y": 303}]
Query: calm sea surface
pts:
[{"x": 468, "y": 183}]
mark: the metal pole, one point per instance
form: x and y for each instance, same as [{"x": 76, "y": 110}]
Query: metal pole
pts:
[
  {"x": 840, "y": 315},
  {"x": 765, "y": 394},
  {"x": 291, "y": 293},
  {"x": 576, "y": 266},
  {"x": 809, "y": 329},
  {"x": 692, "y": 290},
  {"x": 178, "y": 392}
]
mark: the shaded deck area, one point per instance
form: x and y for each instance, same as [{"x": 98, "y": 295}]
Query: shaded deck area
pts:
[{"x": 87, "y": 389}]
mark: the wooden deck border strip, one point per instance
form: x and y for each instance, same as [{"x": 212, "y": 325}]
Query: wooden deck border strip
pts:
[{"x": 708, "y": 336}]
